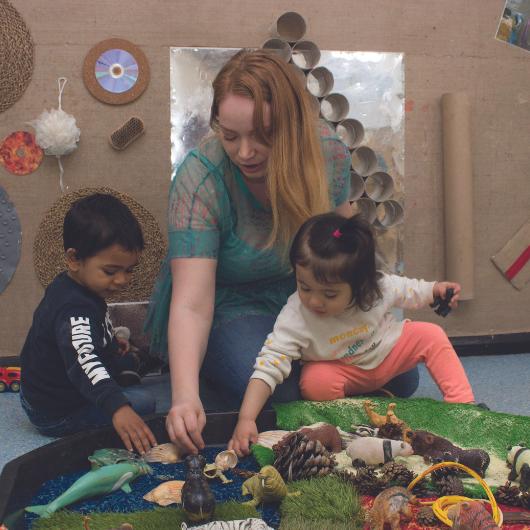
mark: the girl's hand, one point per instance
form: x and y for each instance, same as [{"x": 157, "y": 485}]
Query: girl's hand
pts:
[
  {"x": 246, "y": 432},
  {"x": 440, "y": 288},
  {"x": 185, "y": 422}
]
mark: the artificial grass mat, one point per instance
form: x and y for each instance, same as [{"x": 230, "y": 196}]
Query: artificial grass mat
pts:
[
  {"x": 146, "y": 520},
  {"x": 326, "y": 502},
  {"x": 467, "y": 426}
]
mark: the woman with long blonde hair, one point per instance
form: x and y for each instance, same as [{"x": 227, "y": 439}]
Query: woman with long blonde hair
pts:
[{"x": 235, "y": 203}]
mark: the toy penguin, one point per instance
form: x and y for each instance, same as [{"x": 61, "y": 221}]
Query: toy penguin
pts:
[
  {"x": 197, "y": 497},
  {"x": 519, "y": 459}
]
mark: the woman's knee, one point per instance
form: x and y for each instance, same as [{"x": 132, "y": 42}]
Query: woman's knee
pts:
[{"x": 321, "y": 382}]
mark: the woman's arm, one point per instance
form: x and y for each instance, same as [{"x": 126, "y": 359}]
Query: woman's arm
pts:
[
  {"x": 190, "y": 320},
  {"x": 344, "y": 209}
]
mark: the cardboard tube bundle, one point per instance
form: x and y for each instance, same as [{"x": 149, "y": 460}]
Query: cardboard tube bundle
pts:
[{"x": 458, "y": 192}]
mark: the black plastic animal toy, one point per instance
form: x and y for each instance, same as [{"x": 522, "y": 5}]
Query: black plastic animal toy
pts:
[
  {"x": 442, "y": 304},
  {"x": 198, "y": 500},
  {"x": 433, "y": 448}
]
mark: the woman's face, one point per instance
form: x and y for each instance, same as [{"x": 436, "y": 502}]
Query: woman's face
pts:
[{"x": 236, "y": 130}]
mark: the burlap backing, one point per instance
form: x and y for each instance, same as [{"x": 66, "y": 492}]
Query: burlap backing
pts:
[{"x": 48, "y": 251}]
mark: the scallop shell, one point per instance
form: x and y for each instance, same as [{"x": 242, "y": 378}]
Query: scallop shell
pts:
[
  {"x": 166, "y": 493},
  {"x": 164, "y": 453},
  {"x": 270, "y": 438},
  {"x": 226, "y": 460}
]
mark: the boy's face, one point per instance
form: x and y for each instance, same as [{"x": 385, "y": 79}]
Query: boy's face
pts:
[
  {"x": 322, "y": 299},
  {"x": 105, "y": 273}
]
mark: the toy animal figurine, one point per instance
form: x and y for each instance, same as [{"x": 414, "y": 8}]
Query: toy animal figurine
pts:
[
  {"x": 100, "y": 481},
  {"x": 519, "y": 459},
  {"x": 244, "y": 524},
  {"x": 471, "y": 516},
  {"x": 433, "y": 447},
  {"x": 223, "y": 461},
  {"x": 377, "y": 420},
  {"x": 389, "y": 506},
  {"x": 197, "y": 497},
  {"x": 326, "y": 434},
  {"x": 374, "y": 451},
  {"x": 104, "y": 457},
  {"x": 266, "y": 486}
]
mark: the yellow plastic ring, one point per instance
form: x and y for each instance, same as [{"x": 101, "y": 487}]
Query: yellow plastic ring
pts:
[{"x": 439, "y": 506}]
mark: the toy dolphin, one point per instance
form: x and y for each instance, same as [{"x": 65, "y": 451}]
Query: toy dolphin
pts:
[{"x": 100, "y": 481}]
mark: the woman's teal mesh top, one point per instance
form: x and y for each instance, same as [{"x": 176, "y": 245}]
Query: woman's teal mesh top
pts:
[{"x": 212, "y": 214}]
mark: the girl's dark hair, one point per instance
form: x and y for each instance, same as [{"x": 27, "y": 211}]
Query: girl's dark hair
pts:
[
  {"x": 99, "y": 221},
  {"x": 336, "y": 250}
]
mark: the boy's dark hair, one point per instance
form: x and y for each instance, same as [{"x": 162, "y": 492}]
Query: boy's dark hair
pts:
[
  {"x": 99, "y": 221},
  {"x": 336, "y": 249}
]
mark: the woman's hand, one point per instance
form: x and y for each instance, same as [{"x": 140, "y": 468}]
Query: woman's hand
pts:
[
  {"x": 246, "y": 432},
  {"x": 185, "y": 422},
  {"x": 440, "y": 288}
]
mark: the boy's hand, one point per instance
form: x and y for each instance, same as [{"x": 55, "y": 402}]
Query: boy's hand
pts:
[
  {"x": 245, "y": 432},
  {"x": 123, "y": 345},
  {"x": 133, "y": 431},
  {"x": 440, "y": 288}
]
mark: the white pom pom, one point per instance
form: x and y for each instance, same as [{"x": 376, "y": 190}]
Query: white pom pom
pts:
[{"x": 56, "y": 132}]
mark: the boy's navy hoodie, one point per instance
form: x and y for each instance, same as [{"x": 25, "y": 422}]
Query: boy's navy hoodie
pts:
[{"x": 67, "y": 359}]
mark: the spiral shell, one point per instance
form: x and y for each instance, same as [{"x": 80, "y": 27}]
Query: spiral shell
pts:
[
  {"x": 164, "y": 453},
  {"x": 166, "y": 493},
  {"x": 226, "y": 460}
]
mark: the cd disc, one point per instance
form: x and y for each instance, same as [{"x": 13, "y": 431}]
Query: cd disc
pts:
[
  {"x": 20, "y": 154},
  {"x": 116, "y": 71}
]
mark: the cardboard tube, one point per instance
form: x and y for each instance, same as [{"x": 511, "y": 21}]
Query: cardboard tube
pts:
[
  {"x": 458, "y": 191},
  {"x": 280, "y": 46},
  {"x": 290, "y": 26},
  {"x": 305, "y": 54},
  {"x": 357, "y": 186}
]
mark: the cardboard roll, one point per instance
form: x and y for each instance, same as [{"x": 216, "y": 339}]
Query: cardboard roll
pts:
[
  {"x": 116, "y": 71},
  {"x": 19, "y": 153}
]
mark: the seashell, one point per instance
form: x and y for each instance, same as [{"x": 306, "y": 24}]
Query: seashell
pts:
[
  {"x": 166, "y": 493},
  {"x": 226, "y": 460},
  {"x": 270, "y": 438},
  {"x": 164, "y": 453}
]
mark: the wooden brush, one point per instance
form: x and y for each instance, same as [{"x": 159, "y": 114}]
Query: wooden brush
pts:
[{"x": 127, "y": 133}]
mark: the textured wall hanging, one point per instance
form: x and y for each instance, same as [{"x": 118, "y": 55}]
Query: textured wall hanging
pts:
[
  {"x": 19, "y": 153},
  {"x": 10, "y": 238},
  {"x": 16, "y": 55},
  {"x": 116, "y": 71},
  {"x": 56, "y": 132},
  {"x": 48, "y": 251},
  {"x": 512, "y": 259}
]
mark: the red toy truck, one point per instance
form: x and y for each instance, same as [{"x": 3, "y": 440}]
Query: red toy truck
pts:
[{"x": 9, "y": 378}]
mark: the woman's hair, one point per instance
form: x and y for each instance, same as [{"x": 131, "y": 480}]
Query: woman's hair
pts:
[
  {"x": 337, "y": 250},
  {"x": 296, "y": 177}
]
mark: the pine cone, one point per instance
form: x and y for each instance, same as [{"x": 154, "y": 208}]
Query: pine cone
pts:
[
  {"x": 525, "y": 500},
  {"x": 443, "y": 471},
  {"x": 508, "y": 494},
  {"x": 450, "y": 485},
  {"x": 392, "y": 431},
  {"x": 426, "y": 517},
  {"x": 298, "y": 457},
  {"x": 364, "y": 480},
  {"x": 397, "y": 474},
  {"x": 421, "y": 490}
]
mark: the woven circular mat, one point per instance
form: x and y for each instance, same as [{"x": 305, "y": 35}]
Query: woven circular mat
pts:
[
  {"x": 48, "y": 251},
  {"x": 16, "y": 55}
]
